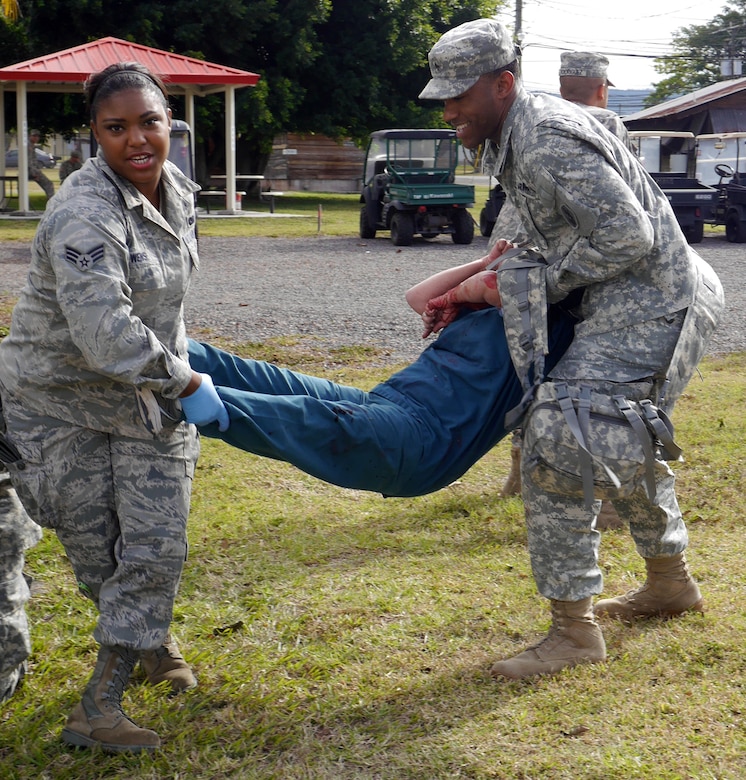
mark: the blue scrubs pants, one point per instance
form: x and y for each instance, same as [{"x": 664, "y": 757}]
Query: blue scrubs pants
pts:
[{"x": 413, "y": 434}]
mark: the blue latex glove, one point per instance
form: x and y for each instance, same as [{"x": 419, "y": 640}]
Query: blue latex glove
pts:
[{"x": 204, "y": 406}]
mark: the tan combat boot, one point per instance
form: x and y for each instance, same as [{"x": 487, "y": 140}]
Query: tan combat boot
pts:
[
  {"x": 166, "y": 663},
  {"x": 98, "y": 719},
  {"x": 574, "y": 638},
  {"x": 512, "y": 486},
  {"x": 668, "y": 591}
]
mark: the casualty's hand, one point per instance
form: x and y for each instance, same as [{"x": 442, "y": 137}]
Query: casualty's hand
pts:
[
  {"x": 479, "y": 290},
  {"x": 204, "y": 405}
]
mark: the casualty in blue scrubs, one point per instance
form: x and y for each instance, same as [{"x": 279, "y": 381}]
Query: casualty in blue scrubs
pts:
[{"x": 413, "y": 434}]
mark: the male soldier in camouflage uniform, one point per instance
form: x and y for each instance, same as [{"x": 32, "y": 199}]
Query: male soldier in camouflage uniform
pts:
[
  {"x": 608, "y": 238},
  {"x": 583, "y": 80},
  {"x": 73, "y": 163},
  {"x": 18, "y": 532}
]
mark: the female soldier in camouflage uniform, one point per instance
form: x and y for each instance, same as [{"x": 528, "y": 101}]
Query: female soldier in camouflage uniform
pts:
[{"x": 97, "y": 342}]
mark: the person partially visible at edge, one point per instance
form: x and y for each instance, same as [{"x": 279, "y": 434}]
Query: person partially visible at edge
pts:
[
  {"x": 73, "y": 163},
  {"x": 18, "y": 532},
  {"x": 35, "y": 173},
  {"x": 606, "y": 233},
  {"x": 97, "y": 351}
]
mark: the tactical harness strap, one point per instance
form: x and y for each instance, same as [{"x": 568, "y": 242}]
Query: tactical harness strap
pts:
[
  {"x": 522, "y": 284},
  {"x": 521, "y": 280},
  {"x": 652, "y": 428},
  {"x": 639, "y": 427}
]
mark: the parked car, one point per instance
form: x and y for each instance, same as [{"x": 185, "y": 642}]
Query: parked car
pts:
[{"x": 47, "y": 160}]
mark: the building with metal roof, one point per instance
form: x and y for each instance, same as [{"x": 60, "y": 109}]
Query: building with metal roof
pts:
[
  {"x": 719, "y": 108},
  {"x": 66, "y": 70}
]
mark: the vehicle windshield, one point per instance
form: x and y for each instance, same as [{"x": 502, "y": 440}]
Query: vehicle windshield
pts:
[{"x": 424, "y": 154}]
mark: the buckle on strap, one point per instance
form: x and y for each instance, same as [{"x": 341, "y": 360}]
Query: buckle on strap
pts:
[
  {"x": 579, "y": 429},
  {"x": 641, "y": 430},
  {"x": 662, "y": 429}
]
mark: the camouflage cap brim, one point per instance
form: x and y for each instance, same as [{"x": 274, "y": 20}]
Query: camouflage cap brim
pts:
[{"x": 443, "y": 89}]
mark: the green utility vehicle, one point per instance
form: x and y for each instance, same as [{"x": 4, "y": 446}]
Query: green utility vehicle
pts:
[{"x": 409, "y": 187}]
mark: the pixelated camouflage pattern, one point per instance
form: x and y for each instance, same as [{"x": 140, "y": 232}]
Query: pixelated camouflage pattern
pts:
[
  {"x": 593, "y": 212},
  {"x": 553, "y": 455},
  {"x": 508, "y": 226},
  {"x": 701, "y": 320},
  {"x": 18, "y": 532},
  {"x": 604, "y": 227},
  {"x": 463, "y": 54},
  {"x": 611, "y": 121},
  {"x": 119, "y": 506},
  {"x": 101, "y": 313},
  {"x": 508, "y": 223},
  {"x": 100, "y": 317},
  {"x": 563, "y": 541}
]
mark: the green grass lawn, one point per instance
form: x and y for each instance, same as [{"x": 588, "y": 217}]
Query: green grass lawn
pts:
[{"x": 337, "y": 634}]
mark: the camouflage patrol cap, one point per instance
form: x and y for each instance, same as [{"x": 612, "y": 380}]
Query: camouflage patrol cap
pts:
[
  {"x": 465, "y": 53},
  {"x": 586, "y": 64}
]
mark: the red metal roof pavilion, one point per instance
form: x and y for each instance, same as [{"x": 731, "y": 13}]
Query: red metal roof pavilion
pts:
[{"x": 66, "y": 70}]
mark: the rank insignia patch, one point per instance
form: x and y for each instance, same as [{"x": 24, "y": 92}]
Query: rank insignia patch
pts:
[{"x": 84, "y": 260}]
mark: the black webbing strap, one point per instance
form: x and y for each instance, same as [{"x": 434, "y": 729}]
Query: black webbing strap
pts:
[
  {"x": 662, "y": 428},
  {"x": 576, "y": 428},
  {"x": 639, "y": 427},
  {"x": 9, "y": 454}
]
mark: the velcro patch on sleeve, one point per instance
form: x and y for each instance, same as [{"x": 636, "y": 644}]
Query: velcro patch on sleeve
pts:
[{"x": 83, "y": 260}]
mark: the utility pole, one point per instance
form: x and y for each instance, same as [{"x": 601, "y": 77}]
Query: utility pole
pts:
[{"x": 518, "y": 34}]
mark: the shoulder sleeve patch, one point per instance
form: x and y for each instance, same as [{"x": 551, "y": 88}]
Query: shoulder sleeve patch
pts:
[{"x": 83, "y": 260}]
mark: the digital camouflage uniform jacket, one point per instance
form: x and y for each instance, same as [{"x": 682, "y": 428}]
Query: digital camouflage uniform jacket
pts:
[
  {"x": 595, "y": 215},
  {"x": 101, "y": 313},
  {"x": 610, "y": 120}
]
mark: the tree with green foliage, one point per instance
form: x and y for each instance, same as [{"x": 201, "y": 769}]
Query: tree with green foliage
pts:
[
  {"x": 698, "y": 52},
  {"x": 339, "y": 67}
]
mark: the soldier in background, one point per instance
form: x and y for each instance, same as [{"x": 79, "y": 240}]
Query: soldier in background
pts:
[
  {"x": 72, "y": 164},
  {"x": 35, "y": 172},
  {"x": 583, "y": 80}
]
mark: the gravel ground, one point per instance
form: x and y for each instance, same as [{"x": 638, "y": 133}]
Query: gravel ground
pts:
[{"x": 346, "y": 291}]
